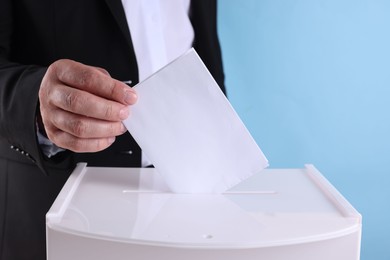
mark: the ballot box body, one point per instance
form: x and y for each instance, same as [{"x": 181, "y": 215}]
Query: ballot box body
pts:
[{"x": 129, "y": 213}]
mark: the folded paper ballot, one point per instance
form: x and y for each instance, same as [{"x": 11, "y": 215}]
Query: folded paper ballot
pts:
[{"x": 190, "y": 132}]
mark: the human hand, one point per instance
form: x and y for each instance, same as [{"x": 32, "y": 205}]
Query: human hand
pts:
[{"x": 82, "y": 106}]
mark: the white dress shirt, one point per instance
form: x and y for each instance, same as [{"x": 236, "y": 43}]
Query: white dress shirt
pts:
[{"x": 161, "y": 31}]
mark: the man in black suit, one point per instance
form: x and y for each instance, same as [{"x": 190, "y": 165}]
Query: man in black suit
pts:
[{"x": 62, "y": 64}]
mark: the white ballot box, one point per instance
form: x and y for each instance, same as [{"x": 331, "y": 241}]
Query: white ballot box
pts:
[{"x": 129, "y": 213}]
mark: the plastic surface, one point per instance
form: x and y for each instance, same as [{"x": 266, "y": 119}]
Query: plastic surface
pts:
[{"x": 277, "y": 214}]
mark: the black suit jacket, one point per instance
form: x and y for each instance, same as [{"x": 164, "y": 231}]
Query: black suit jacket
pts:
[{"x": 33, "y": 34}]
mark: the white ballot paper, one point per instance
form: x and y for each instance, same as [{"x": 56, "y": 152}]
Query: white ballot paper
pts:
[{"x": 190, "y": 132}]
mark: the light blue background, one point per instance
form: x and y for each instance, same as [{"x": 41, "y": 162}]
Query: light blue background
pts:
[{"x": 311, "y": 80}]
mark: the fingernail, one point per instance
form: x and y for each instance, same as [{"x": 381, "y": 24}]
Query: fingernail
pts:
[
  {"x": 130, "y": 97},
  {"x": 124, "y": 113}
]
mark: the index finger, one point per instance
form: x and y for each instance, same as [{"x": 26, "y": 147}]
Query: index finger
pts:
[{"x": 93, "y": 80}]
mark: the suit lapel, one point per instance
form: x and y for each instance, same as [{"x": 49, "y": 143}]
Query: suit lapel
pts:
[{"x": 117, "y": 11}]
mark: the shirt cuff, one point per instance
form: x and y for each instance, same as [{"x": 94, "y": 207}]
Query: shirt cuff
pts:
[{"x": 48, "y": 147}]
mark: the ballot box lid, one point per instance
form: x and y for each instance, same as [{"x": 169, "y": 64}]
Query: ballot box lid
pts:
[{"x": 133, "y": 205}]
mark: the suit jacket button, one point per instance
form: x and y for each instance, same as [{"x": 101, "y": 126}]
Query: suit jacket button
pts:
[
  {"x": 130, "y": 152},
  {"x": 128, "y": 82}
]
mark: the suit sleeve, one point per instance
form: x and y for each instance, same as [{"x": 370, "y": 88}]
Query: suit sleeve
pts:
[{"x": 19, "y": 86}]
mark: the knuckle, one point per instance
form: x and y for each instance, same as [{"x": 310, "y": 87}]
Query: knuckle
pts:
[
  {"x": 111, "y": 86},
  {"x": 79, "y": 128},
  {"x": 72, "y": 101},
  {"x": 52, "y": 69},
  {"x": 85, "y": 77},
  {"x": 115, "y": 91},
  {"x": 46, "y": 86},
  {"x": 108, "y": 112},
  {"x": 44, "y": 93},
  {"x": 112, "y": 129},
  {"x": 116, "y": 129}
]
